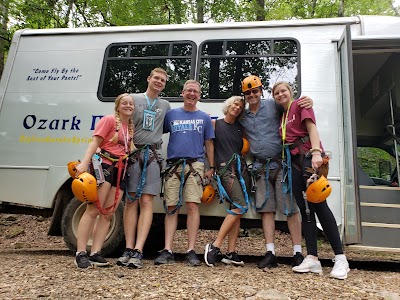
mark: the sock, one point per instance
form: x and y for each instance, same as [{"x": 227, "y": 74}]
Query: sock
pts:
[
  {"x": 296, "y": 248},
  {"x": 77, "y": 252},
  {"x": 340, "y": 257},
  {"x": 271, "y": 247}
]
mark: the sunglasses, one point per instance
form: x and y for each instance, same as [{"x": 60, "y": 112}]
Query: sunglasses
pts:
[{"x": 249, "y": 92}]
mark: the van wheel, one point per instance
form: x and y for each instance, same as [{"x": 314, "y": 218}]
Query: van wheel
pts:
[{"x": 114, "y": 242}]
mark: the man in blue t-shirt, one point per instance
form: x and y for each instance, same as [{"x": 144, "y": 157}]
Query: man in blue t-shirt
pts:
[{"x": 190, "y": 130}]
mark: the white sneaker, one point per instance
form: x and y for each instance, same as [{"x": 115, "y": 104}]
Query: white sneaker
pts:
[
  {"x": 309, "y": 265},
  {"x": 341, "y": 267}
]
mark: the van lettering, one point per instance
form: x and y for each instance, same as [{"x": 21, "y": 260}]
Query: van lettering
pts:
[
  {"x": 41, "y": 126},
  {"x": 31, "y": 118},
  {"x": 94, "y": 120},
  {"x": 75, "y": 123},
  {"x": 54, "y": 124}
]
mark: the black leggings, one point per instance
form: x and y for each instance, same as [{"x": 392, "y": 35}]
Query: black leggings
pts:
[{"x": 324, "y": 213}]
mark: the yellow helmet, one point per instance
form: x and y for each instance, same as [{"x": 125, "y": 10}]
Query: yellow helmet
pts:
[
  {"x": 208, "y": 194},
  {"x": 251, "y": 82},
  {"x": 84, "y": 187},
  {"x": 72, "y": 168},
  {"x": 319, "y": 190}
]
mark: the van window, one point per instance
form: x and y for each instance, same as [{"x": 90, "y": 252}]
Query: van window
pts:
[
  {"x": 224, "y": 63},
  {"x": 127, "y": 66}
]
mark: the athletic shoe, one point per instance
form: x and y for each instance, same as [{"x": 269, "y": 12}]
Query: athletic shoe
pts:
[
  {"x": 269, "y": 261},
  {"x": 82, "y": 260},
  {"x": 136, "y": 260},
  {"x": 165, "y": 257},
  {"x": 232, "y": 258},
  {"x": 211, "y": 255},
  {"x": 297, "y": 259},
  {"x": 126, "y": 256},
  {"x": 97, "y": 260},
  {"x": 309, "y": 265},
  {"x": 192, "y": 259},
  {"x": 341, "y": 267}
]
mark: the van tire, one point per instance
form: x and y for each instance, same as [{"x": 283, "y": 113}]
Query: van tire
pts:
[{"x": 114, "y": 242}]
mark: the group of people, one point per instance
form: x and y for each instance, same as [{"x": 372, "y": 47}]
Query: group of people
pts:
[{"x": 284, "y": 144}]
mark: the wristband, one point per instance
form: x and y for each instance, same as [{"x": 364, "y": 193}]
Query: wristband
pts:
[
  {"x": 212, "y": 168},
  {"x": 315, "y": 153},
  {"x": 315, "y": 149}
]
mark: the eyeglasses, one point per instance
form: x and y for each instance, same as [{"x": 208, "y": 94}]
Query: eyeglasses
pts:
[
  {"x": 253, "y": 91},
  {"x": 192, "y": 91}
]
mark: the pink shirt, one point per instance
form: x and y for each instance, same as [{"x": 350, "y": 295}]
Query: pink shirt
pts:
[
  {"x": 106, "y": 129},
  {"x": 296, "y": 126}
]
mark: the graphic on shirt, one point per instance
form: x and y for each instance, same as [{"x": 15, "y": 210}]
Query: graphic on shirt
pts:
[{"x": 187, "y": 125}]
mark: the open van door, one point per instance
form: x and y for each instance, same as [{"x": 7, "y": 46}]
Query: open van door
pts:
[{"x": 352, "y": 223}]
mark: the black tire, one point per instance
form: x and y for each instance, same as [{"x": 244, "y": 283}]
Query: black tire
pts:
[{"x": 114, "y": 242}]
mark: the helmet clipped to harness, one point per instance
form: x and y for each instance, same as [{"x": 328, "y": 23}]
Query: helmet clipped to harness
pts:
[
  {"x": 208, "y": 194},
  {"x": 72, "y": 168},
  {"x": 84, "y": 187},
  {"x": 246, "y": 146},
  {"x": 251, "y": 82},
  {"x": 319, "y": 190}
]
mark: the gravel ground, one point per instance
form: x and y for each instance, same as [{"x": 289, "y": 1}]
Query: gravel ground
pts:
[{"x": 35, "y": 265}]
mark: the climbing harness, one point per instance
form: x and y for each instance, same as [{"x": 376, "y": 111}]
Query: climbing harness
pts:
[
  {"x": 222, "y": 191},
  {"x": 172, "y": 170}
]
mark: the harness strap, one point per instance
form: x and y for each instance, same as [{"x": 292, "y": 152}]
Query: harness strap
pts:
[
  {"x": 222, "y": 192},
  {"x": 172, "y": 170},
  {"x": 143, "y": 164}
]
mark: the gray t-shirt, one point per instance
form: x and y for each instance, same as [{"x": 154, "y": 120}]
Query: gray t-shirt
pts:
[
  {"x": 262, "y": 130},
  {"x": 143, "y": 136}
]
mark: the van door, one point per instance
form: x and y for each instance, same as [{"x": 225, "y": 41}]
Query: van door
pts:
[{"x": 351, "y": 213}]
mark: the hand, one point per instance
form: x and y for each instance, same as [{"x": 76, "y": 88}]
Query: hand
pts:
[
  {"x": 305, "y": 102},
  {"x": 81, "y": 168},
  {"x": 209, "y": 174},
  {"x": 316, "y": 160}
]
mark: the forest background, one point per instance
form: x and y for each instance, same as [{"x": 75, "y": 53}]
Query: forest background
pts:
[{"x": 40, "y": 14}]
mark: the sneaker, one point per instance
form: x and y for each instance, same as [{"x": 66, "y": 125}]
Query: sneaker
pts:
[
  {"x": 165, "y": 257},
  {"x": 297, "y": 259},
  {"x": 82, "y": 260},
  {"x": 232, "y": 258},
  {"x": 269, "y": 261},
  {"x": 341, "y": 267},
  {"x": 97, "y": 260},
  {"x": 126, "y": 256},
  {"x": 210, "y": 255},
  {"x": 136, "y": 260},
  {"x": 309, "y": 265},
  {"x": 192, "y": 259}
]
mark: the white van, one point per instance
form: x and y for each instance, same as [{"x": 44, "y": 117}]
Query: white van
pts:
[{"x": 57, "y": 83}]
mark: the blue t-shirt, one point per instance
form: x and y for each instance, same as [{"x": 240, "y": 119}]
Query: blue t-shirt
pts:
[{"x": 188, "y": 132}]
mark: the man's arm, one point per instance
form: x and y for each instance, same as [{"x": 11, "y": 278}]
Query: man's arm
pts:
[
  {"x": 305, "y": 102},
  {"x": 210, "y": 156}
]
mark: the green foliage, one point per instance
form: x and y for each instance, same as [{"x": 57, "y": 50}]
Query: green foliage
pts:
[{"x": 370, "y": 159}]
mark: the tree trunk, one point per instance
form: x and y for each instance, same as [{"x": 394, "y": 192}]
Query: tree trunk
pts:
[
  {"x": 200, "y": 11},
  {"x": 4, "y": 5},
  {"x": 341, "y": 8},
  {"x": 260, "y": 14}
]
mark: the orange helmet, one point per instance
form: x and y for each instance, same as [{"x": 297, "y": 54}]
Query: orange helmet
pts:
[
  {"x": 72, "y": 168},
  {"x": 208, "y": 194},
  {"x": 251, "y": 82},
  {"x": 84, "y": 187},
  {"x": 319, "y": 190},
  {"x": 246, "y": 146}
]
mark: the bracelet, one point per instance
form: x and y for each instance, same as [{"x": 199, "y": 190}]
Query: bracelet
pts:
[
  {"x": 315, "y": 153},
  {"x": 315, "y": 149},
  {"x": 212, "y": 168}
]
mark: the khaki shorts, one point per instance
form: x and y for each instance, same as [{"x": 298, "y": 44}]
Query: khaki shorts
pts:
[
  {"x": 192, "y": 190},
  {"x": 277, "y": 201},
  {"x": 235, "y": 192}
]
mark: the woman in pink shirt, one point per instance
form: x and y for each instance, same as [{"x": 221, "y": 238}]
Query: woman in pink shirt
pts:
[
  {"x": 299, "y": 130},
  {"x": 113, "y": 135}
]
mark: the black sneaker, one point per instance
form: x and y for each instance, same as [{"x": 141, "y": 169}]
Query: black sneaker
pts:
[
  {"x": 192, "y": 259},
  {"x": 165, "y": 257},
  {"x": 136, "y": 260},
  {"x": 82, "y": 260},
  {"x": 297, "y": 259},
  {"x": 232, "y": 258},
  {"x": 211, "y": 255},
  {"x": 97, "y": 260},
  {"x": 126, "y": 256},
  {"x": 269, "y": 261}
]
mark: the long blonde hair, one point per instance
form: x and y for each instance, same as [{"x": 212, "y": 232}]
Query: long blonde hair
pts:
[{"x": 131, "y": 127}]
